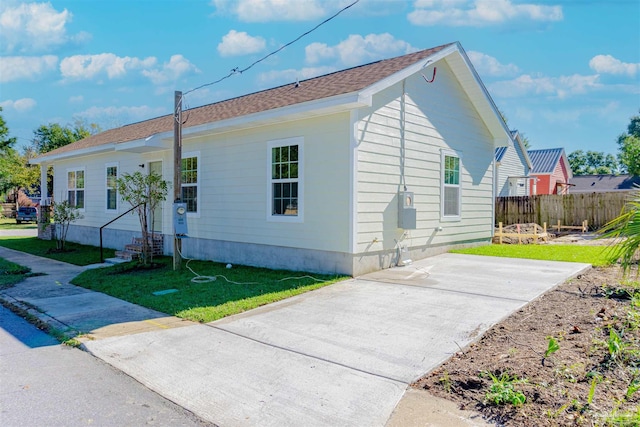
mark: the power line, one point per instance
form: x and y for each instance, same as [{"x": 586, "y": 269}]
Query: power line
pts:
[{"x": 237, "y": 70}]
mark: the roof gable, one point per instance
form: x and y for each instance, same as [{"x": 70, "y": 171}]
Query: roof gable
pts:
[{"x": 545, "y": 161}]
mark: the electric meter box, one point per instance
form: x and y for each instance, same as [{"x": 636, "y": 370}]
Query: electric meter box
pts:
[
  {"x": 180, "y": 219},
  {"x": 406, "y": 211}
]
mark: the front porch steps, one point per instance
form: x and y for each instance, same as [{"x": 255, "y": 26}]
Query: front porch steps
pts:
[{"x": 133, "y": 250}]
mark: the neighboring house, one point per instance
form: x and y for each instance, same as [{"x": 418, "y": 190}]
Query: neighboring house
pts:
[
  {"x": 603, "y": 183},
  {"x": 552, "y": 171},
  {"x": 312, "y": 175},
  {"x": 513, "y": 167}
]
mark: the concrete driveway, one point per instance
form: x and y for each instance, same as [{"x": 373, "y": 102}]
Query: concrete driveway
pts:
[{"x": 339, "y": 356}]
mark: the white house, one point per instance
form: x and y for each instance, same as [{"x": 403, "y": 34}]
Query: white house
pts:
[
  {"x": 513, "y": 168},
  {"x": 349, "y": 172}
]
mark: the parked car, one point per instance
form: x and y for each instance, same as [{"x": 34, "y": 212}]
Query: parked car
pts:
[{"x": 26, "y": 214}]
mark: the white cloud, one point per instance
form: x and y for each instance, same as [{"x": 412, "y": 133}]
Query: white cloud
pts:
[
  {"x": 607, "y": 64},
  {"x": 356, "y": 50},
  {"x": 26, "y": 67},
  {"x": 85, "y": 67},
  {"x": 76, "y": 99},
  {"x": 236, "y": 43},
  {"x": 292, "y": 75},
  {"x": 20, "y": 105},
  {"x": 490, "y": 66},
  {"x": 277, "y": 10},
  {"x": 177, "y": 66},
  {"x": 34, "y": 27},
  {"x": 480, "y": 13},
  {"x": 109, "y": 117},
  {"x": 560, "y": 87}
]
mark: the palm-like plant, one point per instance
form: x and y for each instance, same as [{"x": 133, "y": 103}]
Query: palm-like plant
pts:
[{"x": 627, "y": 227}]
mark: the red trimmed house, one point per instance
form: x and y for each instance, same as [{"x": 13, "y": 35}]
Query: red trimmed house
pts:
[{"x": 552, "y": 171}]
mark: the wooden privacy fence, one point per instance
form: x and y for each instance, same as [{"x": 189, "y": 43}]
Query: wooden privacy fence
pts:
[{"x": 570, "y": 209}]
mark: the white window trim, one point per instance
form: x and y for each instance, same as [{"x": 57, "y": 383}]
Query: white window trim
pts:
[
  {"x": 195, "y": 154},
  {"x": 450, "y": 218},
  {"x": 299, "y": 141},
  {"x": 66, "y": 177},
  {"x": 106, "y": 205}
]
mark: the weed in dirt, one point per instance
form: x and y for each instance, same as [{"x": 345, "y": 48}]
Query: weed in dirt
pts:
[{"x": 503, "y": 390}]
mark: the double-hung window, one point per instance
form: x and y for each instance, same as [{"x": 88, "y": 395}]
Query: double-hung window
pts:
[
  {"x": 450, "y": 199},
  {"x": 111, "y": 187},
  {"x": 75, "y": 188},
  {"x": 189, "y": 193},
  {"x": 285, "y": 180}
]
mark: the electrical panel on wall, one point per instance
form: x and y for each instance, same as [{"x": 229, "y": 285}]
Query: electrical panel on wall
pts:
[
  {"x": 180, "y": 220},
  {"x": 406, "y": 211}
]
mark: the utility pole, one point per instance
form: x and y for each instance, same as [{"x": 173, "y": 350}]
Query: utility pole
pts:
[{"x": 177, "y": 172}]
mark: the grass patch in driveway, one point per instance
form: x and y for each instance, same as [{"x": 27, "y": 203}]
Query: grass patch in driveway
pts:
[
  {"x": 598, "y": 256},
  {"x": 12, "y": 273},
  {"x": 234, "y": 290},
  {"x": 74, "y": 253}
]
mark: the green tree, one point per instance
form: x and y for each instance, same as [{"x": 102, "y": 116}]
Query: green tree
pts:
[
  {"x": 15, "y": 171},
  {"x": 49, "y": 137},
  {"x": 5, "y": 140},
  {"x": 593, "y": 163},
  {"x": 629, "y": 147},
  {"x": 144, "y": 193},
  {"x": 63, "y": 215}
]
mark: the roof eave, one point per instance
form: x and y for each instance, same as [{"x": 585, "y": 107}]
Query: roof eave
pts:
[{"x": 44, "y": 158}]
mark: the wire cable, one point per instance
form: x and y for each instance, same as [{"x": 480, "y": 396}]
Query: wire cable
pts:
[
  {"x": 237, "y": 70},
  {"x": 199, "y": 278}
]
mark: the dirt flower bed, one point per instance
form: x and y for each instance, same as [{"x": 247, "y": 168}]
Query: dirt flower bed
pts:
[{"x": 572, "y": 357}]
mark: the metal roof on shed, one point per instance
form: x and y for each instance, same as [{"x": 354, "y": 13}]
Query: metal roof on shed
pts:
[{"x": 546, "y": 160}]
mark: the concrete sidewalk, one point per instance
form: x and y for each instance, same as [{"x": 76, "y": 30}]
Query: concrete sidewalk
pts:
[
  {"x": 341, "y": 355},
  {"x": 75, "y": 311}
]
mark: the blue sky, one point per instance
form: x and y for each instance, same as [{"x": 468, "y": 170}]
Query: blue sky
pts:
[{"x": 565, "y": 73}]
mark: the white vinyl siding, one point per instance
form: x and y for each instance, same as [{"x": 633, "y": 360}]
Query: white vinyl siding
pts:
[
  {"x": 75, "y": 188},
  {"x": 111, "y": 176},
  {"x": 452, "y": 124},
  {"x": 512, "y": 165}
]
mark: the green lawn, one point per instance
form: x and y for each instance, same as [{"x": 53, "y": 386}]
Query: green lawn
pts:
[
  {"x": 10, "y": 224},
  {"x": 73, "y": 254},
  {"x": 595, "y": 255},
  {"x": 237, "y": 289},
  {"x": 11, "y": 273}
]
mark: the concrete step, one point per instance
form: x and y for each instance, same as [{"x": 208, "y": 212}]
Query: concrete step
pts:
[
  {"x": 115, "y": 260},
  {"x": 127, "y": 255}
]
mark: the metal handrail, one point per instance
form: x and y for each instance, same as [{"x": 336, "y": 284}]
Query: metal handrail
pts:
[{"x": 114, "y": 220}]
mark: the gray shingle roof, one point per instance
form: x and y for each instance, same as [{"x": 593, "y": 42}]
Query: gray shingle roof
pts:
[
  {"x": 337, "y": 83},
  {"x": 602, "y": 183},
  {"x": 545, "y": 161}
]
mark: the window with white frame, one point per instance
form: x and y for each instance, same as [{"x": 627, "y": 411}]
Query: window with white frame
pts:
[
  {"x": 450, "y": 194},
  {"x": 285, "y": 179},
  {"x": 75, "y": 188},
  {"x": 189, "y": 193},
  {"x": 111, "y": 186}
]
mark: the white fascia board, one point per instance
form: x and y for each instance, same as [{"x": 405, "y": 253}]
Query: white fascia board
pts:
[
  {"x": 149, "y": 144},
  {"x": 523, "y": 149},
  {"x": 406, "y": 72},
  {"x": 75, "y": 153},
  {"x": 344, "y": 102}
]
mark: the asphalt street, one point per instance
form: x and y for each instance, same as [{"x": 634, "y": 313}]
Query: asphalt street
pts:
[{"x": 44, "y": 383}]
